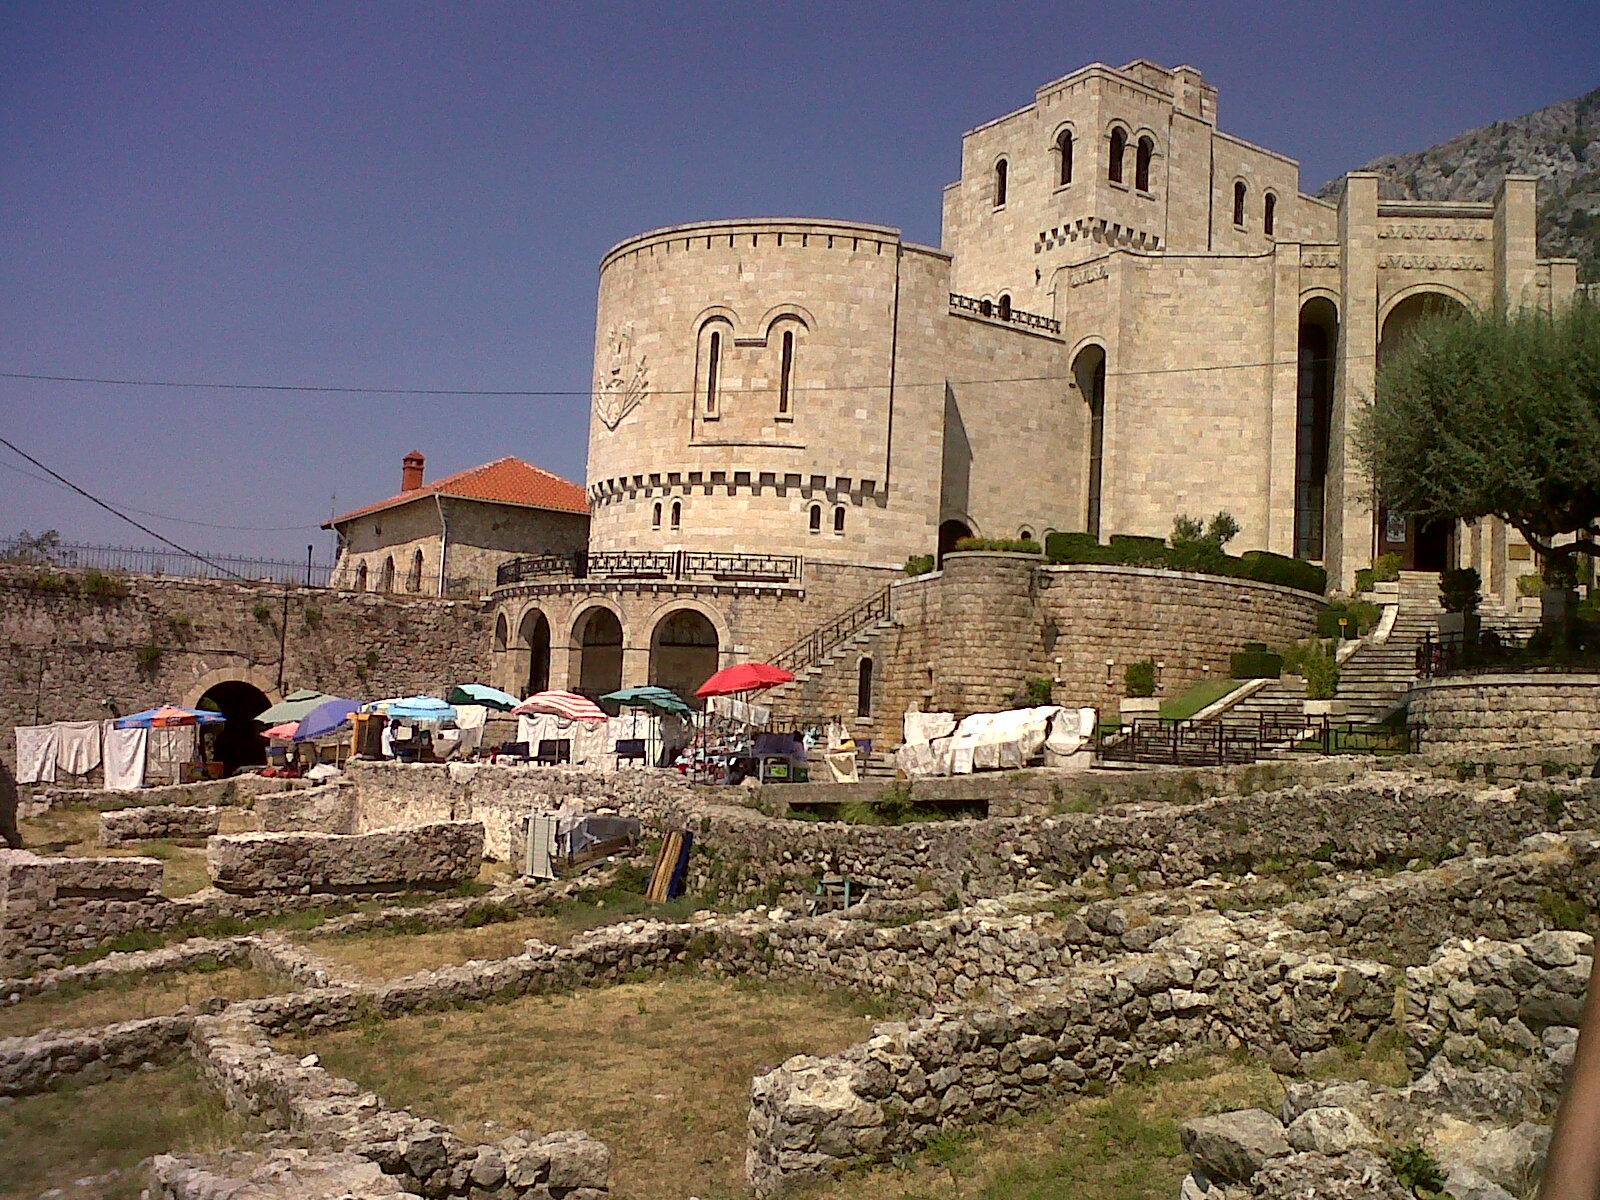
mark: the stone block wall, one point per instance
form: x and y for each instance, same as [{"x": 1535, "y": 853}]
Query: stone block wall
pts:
[
  {"x": 57, "y": 906},
  {"x": 327, "y": 809},
  {"x": 1463, "y": 713},
  {"x": 438, "y": 855},
  {"x": 122, "y": 825}
]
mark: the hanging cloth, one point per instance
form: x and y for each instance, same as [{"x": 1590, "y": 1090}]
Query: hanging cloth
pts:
[
  {"x": 77, "y": 746},
  {"x": 124, "y": 758},
  {"x": 36, "y": 753}
]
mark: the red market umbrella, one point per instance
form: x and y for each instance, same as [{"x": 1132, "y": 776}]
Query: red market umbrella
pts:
[
  {"x": 568, "y": 705},
  {"x": 283, "y": 732},
  {"x": 744, "y": 677}
]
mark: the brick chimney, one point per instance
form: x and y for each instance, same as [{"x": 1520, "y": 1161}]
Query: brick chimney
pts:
[{"x": 411, "y": 471}]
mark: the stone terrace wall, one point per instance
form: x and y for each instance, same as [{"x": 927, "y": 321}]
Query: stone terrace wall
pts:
[
  {"x": 439, "y": 855},
  {"x": 240, "y": 791},
  {"x": 55, "y": 906},
  {"x": 346, "y": 643},
  {"x": 1537, "y": 710},
  {"x": 123, "y": 825}
]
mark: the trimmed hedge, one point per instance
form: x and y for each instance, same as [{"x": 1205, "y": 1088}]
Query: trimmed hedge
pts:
[
  {"x": 1128, "y": 550},
  {"x": 1256, "y": 664},
  {"x": 919, "y": 564},
  {"x": 1010, "y": 545},
  {"x": 1139, "y": 679}
]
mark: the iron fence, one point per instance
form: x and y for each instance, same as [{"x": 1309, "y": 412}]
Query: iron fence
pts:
[
  {"x": 155, "y": 560},
  {"x": 1441, "y": 655},
  {"x": 653, "y": 565},
  {"x": 1223, "y": 742}
]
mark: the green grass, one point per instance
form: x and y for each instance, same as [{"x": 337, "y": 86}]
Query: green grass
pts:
[{"x": 1206, "y": 691}]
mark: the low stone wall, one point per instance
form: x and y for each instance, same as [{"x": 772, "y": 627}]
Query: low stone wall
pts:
[
  {"x": 123, "y": 825},
  {"x": 56, "y": 906},
  {"x": 330, "y": 808},
  {"x": 1217, "y": 986},
  {"x": 241, "y": 790},
  {"x": 1535, "y": 709},
  {"x": 439, "y": 855},
  {"x": 34, "y": 1064}
]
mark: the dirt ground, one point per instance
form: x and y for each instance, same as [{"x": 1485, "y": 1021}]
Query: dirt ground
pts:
[
  {"x": 153, "y": 996},
  {"x": 659, "y": 1070},
  {"x": 76, "y": 831}
]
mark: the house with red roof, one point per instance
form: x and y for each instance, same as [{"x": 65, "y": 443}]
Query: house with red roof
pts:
[{"x": 446, "y": 538}]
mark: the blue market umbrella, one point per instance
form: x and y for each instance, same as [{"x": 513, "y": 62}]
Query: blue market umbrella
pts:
[
  {"x": 168, "y": 715},
  {"x": 325, "y": 718},
  {"x": 415, "y": 708},
  {"x": 482, "y": 693}
]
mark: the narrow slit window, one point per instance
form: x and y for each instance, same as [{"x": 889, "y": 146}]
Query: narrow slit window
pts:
[
  {"x": 1119, "y": 148},
  {"x": 1064, "y": 151},
  {"x": 713, "y": 369},
  {"x": 838, "y": 519},
  {"x": 677, "y": 514},
  {"x": 1239, "y": 192},
  {"x": 1005, "y": 307},
  {"x": 1269, "y": 214},
  {"x": 816, "y": 518},
  {"x": 1141, "y": 164},
  {"x": 786, "y": 373},
  {"x": 655, "y": 516},
  {"x": 864, "y": 688},
  {"x": 1001, "y": 169}
]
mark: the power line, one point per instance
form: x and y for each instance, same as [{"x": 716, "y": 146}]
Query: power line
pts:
[
  {"x": 93, "y": 499},
  {"x": 164, "y": 516},
  {"x": 554, "y": 393}
]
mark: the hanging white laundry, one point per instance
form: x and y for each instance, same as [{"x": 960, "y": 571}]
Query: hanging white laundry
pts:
[
  {"x": 124, "y": 759},
  {"x": 36, "y": 753},
  {"x": 470, "y": 719},
  {"x": 166, "y": 750},
  {"x": 77, "y": 746}
]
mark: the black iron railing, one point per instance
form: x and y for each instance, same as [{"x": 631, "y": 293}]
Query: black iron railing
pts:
[
  {"x": 653, "y": 565},
  {"x": 1223, "y": 742},
  {"x": 153, "y": 560},
  {"x": 1441, "y": 655},
  {"x": 819, "y": 641},
  {"x": 1012, "y": 316}
]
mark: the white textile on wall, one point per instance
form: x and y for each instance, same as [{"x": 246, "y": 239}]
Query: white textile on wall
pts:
[
  {"x": 168, "y": 749},
  {"x": 926, "y": 726},
  {"x": 741, "y": 711},
  {"x": 36, "y": 753},
  {"x": 124, "y": 758},
  {"x": 470, "y": 719},
  {"x": 77, "y": 746}
]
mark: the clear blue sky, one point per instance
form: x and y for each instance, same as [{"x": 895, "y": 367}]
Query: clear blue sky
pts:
[{"x": 402, "y": 194}]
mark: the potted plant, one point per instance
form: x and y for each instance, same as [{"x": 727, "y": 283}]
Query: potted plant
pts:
[
  {"x": 1459, "y": 595},
  {"x": 1321, "y": 673},
  {"x": 1139, "y": 691}
]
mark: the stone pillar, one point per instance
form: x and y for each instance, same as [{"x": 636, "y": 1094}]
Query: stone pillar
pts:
[
  {"x": 990, "y": 636},
  {"x": 1283, "y": 402},
  {"x": 1348, "y": 506},
  {"x": 1516, "y": 243}
]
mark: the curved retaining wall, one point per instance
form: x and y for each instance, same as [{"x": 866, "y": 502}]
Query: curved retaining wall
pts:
[{"x": 1532, "y": 709}]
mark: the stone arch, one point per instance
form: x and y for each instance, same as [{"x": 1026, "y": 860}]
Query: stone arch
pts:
[
  {"x": 530, "y": 670},
  {"x": 1444, "y": 290},
  {"x": 595, "y": 645},
  {"x": 1145, "y": 150},
  {"x": 786, "y": 312},
  {"x": 1241, "y": 201},
  {"x": 1089, "y": 377},
  {"x": 685, "y": 648},
  {"x": 386, "y": 579},
  {"x": 717, "y": 312},
  {"x": 361, "y": 576},
  {"x": 239, "y": 693},
  {"x": 951, "y": 530},
  {"x": 1063, "y": 143},
  {"x": 1001, "y": 173},
  {"x": 1116, "y": 151},
  {"x": 414, "y": 575}
]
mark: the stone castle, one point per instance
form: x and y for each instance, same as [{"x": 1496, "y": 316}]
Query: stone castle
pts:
[{"x": 1133, "y": 315}]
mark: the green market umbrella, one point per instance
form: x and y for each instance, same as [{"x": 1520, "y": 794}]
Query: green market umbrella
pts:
[
  {"x": 482, "y": 693},
  {"x": 657, "y": 698},
  {"x": 293, "y": 707}
]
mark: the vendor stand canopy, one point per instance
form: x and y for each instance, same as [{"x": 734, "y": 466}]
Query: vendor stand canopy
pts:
[
  {"x": 567, "y": 705},
  {"x": 413, "y": 708},
  {"x": 744, "y": 677},
  {"x": 657, "y": 699},
  {"x": 326, "y": 717},
  {"x": 482, "y": 694},
  {"x": 169, "y": 716},
  {"x": 282, "y": 732},
  {"x": 292, "y": 707}
]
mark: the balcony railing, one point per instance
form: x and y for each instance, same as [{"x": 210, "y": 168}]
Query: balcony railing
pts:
[
  {"x": 652, "y": 565},
  {"x": 1494, "y": 650},
  {"x": 1012, "y": 316}
]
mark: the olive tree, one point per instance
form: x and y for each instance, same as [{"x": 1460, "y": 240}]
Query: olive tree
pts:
[{"x": 1494, "y": 415}]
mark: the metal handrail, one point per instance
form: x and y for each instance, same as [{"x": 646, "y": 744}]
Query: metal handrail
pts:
[
  {"x": 805, "y": 651},
  {"x": 653, "y": 564},
  {"x": 1218, "y": 741}
]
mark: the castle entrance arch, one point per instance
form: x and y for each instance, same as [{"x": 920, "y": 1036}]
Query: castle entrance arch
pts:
[
  {"x": 951, "y": 532},
  {"x": 1089, "y": 374},
  {"x": 533, "y": 647},
  {"x": 684, "y": 652},
  {"x": 1318, "y": 347},
  {"x": 239, "y": 742},
  {"x": 596, "y": 653},
  {"x": 1421, "y": 545}
]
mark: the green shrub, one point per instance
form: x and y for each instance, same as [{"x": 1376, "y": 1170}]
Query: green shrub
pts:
[
  {"x": 262, "y": 611},
  {"x": 1296, "y": 656},
  {"x": 1364, "y": 579},
  {"x": 1386, "y": 568},
  {"x": 103, "y": 587},
  {"x": 1458, "y": 590},
  {"x": 1256, "y": 664},
  {"x": 1008, "y": 545},
  {"x": 1074, "y": 548},
  {"x": 1321, "y": 674},
  {"x": 1530, "y": 585},
  {"x": 49, "y": 581},
  {"x": 1360, "y": 616},
  {"x": 312, "y": 616},
  {"x": 1266, "y": 567},
  {"x": 1135, "y": 550},
  {"x": 1417, "y": 1170},
  {"x": 919, "y": 564},
  {"x": 147, "y": 658},
  {"x": 1139, "y": 680},
  {"x": 1038, "y": 692}
]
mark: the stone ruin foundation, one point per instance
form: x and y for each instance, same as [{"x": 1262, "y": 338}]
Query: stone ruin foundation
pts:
[{"x": 1044, "y": 957}]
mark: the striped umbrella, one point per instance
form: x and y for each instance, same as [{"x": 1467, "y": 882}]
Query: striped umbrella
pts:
[{"x": 568, "y": 705}]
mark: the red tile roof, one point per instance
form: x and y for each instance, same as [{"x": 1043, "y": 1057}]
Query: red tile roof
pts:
[{"x": 505, "y": 481}]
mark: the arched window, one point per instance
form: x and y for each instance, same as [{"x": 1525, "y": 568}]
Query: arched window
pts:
[
  {"x": 713, "y": 370},
  {"x": 1025, "y": 534},
  {"x": 655, "y": 516},
  {"x": 388, "y": 574},
  {"x": 1119, "y": 146},
  {"x": 838, "y": 519},
  {"x": 361, "y": 578},
  {"x": 864, "y": 688},
  {"x": 1001, "y": 170},
  {"x": 1238, "y": 203},
  {"x": 677, "y": 513},
  {"x": 414, "y": 578},
  {"x": 986, "y": 308},
  {"x": 815, "y": 518},
  {"x": 1269, "y": 214},
  {"x": 1141, "y": 163},
  {"x": 1064, "y": 157},
  {"x": 786, "y": 372},
  {"x": 1005, "y": 306}
]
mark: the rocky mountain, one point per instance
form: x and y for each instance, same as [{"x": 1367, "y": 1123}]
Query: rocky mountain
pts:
[{"x": 1560, "y": 144}]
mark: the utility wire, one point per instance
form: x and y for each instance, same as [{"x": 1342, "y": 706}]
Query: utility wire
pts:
[
  {"x": 511, "y": 393},
  {"x": 93, "y": 499},
  {"x": 163, "y": 516}
]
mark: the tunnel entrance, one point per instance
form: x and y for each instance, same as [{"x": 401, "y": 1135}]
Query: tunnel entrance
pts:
[{"x": 239, "y": 742}]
